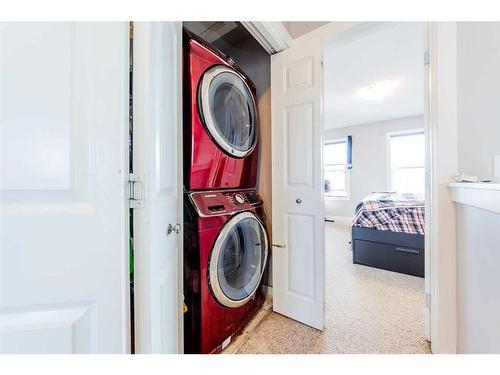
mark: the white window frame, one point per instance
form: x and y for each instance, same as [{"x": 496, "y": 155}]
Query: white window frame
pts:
[
  {"x": 347, "y": 174},
  {"x": 388, "y": 152}
]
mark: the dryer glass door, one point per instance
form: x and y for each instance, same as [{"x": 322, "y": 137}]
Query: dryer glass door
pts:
[
  {"x": 238, "y": 260},
  {"x": 227, "y": 108}
]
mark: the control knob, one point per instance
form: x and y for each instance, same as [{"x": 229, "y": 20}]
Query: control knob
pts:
[{"x": 238, "y": 198}]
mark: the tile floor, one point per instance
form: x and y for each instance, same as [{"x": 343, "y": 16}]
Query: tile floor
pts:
[{"x": 367, "y": 311}]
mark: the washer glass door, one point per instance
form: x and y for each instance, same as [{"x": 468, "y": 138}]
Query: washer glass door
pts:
[
  {"x": 238, "y": 260},
  {"x": 227, "y": 108}
]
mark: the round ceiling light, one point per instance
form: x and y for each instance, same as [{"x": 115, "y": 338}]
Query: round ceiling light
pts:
[{"x": 378, "y": 90}]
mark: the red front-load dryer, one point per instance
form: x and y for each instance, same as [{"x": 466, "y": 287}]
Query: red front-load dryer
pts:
[
  {"x": 220, "y": 120},
  {"x": 225, "y": 254}
]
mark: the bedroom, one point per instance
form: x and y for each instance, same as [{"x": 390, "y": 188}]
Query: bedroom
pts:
[{"x": 374, "y": 172}]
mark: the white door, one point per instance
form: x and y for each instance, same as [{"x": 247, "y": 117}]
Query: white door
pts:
[
  {"x": 157, "y": 155},
  {"x": 63, "y": 183},
  {"x": 298, "y": 221}
]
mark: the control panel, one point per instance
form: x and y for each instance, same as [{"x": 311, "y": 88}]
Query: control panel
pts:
[{"x": 225, "y": 202}]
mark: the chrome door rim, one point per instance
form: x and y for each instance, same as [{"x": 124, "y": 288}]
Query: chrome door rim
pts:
[
  {"x": 214, "y": 260},
  {"x": 204, "y": 105}
]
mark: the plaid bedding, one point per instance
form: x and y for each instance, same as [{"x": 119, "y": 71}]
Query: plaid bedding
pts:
[{"x": 391, "y": 211}]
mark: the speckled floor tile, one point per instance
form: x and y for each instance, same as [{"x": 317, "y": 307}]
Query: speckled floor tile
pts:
[
  {"x": 366, "y": 311},
  {"x": 239, "y": 340}
]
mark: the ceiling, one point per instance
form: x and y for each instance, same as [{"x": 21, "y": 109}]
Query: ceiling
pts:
[
  {"x": 391, "y": 57},
  {"x": 299, "y": 28}
]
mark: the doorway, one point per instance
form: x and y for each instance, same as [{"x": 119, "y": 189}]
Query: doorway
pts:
[{"x": 374, "y": 193}]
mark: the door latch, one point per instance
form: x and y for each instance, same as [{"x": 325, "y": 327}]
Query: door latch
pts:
[{"x": 135, "y": 191}]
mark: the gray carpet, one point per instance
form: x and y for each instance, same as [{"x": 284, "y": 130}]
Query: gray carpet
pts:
[{"x": 367, "y": 311}]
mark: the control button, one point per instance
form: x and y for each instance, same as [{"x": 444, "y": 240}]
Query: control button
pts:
[
  {"x": 253, "y": 197},
  {"x": 240, "y": 199}
]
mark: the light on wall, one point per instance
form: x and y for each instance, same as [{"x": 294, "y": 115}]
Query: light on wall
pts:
[{"x": 378, "y": 90}]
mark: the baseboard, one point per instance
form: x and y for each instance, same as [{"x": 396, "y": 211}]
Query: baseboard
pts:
[{"x": 267, "y": 289}]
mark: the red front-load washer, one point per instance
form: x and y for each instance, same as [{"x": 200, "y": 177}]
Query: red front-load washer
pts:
[
  {"x": 220, "y": 120},
  {"x": 225, "y": 254}
]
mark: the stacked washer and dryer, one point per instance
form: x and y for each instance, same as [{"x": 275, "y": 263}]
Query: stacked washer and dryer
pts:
[{"x": 225, "y": 240}]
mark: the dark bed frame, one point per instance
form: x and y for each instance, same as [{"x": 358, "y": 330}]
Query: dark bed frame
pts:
[{"x": 391, "y": 251}]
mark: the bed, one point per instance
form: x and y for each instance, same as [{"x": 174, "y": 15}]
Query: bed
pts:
[{"x": 388, "y": 232}]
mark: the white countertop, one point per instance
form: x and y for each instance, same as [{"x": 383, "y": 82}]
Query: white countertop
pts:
[
  {"x": 484, "y": 195},
  {"x": 476, "y": 185}
]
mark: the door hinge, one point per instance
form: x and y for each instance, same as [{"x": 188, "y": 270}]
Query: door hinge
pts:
[
  {"x": 427, "y": 300},
  {"x": 135, "y": 191},
  {"x": 426, "y": 57}
]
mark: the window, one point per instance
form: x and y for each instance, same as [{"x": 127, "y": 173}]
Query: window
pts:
[
  {"x": 336, "y": 173},
  {"x": 407, "y": 162}
]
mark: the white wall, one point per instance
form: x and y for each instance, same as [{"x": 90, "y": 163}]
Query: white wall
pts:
[
  {"x": 478, "y": 71},
  {"x": 477, "y": 236},
  {"x": 369, "y": 172},
  {"x": 467, "y": 74},
  {"x": 478, "y": 281}
]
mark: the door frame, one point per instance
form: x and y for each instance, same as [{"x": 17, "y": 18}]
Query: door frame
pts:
[
  {"x": 443, "y": 154},
  {"x": 272, "y": 36},
  {"x": 440, "y": 128}
]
